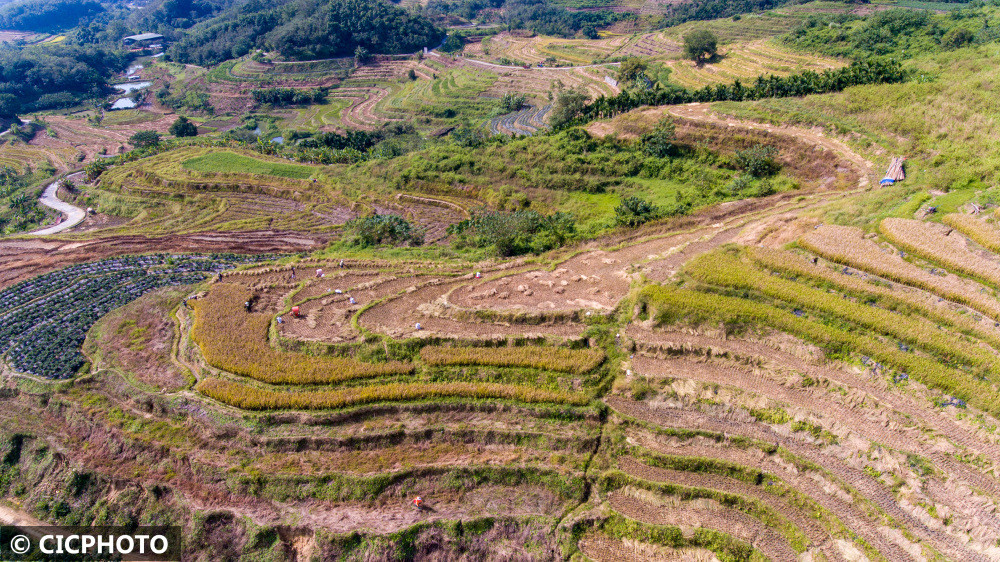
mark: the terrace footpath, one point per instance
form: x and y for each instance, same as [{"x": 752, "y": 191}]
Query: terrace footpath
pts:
[{"x": 74, "y": 214}]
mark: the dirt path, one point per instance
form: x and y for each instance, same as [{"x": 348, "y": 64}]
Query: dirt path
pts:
[
  {"x": 74, "y": 214},
  {"x": 13, "y": 516}
]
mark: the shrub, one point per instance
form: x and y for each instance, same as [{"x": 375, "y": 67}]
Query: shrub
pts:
[
  {"x": 377, "y": 230},
  {"x": 145, "y": 139},
  {"x": 183, "y": 127},
  {"x": 660, "y": 141},
  {"x": 568, "y": 106},
  {"x": 511, "y": 102},
  {"x": 758, "y": 161},
  {"x": 514, "y": 233},
  {"x": 957, "y": 38},
  {"x": 288, "y": 96},
  {"x": 453, "y": 43},
  {"x": 631, "y": 69},
  {"x": 633, "y": 212}
]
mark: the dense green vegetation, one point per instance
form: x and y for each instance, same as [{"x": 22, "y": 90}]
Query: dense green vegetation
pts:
[
  {"x": 279, "y": 97},
  {"x": 38, "y": 78},
  {"x": 874, "y": 71},
  {"x": 899, "y": 32},
  {"x": 304, "y": 31},
  {"x": 540, "y": 16},
  {"x": 713, "y": 9},
  {"x": 377, "y": 230},
  {"x": 19, "y": 208},
  {"x": 47, "y": 15},
  {"x": 514, "y": 233}
]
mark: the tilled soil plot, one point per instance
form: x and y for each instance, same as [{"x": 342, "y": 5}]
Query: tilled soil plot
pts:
[{"x": 22, "y": 259}]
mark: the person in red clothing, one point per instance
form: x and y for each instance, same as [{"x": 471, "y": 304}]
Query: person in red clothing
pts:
[{"x": 418, "y": 503}]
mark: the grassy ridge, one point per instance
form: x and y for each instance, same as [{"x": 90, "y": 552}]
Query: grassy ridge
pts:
[
  {"x": 576, "y": 361},
  {"x": 252, "y": 398},
  {"x": 227, "y": 162},
  {"x": 236, "y": 341},
  {"x": 671, "y": 305}
]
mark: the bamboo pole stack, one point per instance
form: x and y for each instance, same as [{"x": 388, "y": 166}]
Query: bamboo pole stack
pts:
[{"x": 895, "y": 172}]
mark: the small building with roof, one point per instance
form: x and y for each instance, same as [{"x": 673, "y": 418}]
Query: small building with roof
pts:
[{"x": 143, "y": 40}]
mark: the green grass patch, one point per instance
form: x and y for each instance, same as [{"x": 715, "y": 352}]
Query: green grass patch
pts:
[{"x": 229, "y": 162}]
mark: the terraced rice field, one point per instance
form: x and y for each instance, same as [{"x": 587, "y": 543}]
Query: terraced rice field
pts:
[
  {"x": 526, "y": 122},
  {"x": 697, "y": 388},
  {"x": 745, "y": 62},
  {"x": 534, "y": 50}
]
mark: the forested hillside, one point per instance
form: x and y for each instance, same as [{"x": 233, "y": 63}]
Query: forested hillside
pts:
[
  {"x": 34, "y": 79},
  {"x": 308, "y": 30},
  {"x": 46, "y": 15}
]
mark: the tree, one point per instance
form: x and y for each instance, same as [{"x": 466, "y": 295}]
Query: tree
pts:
[
  {"x": 183, "y": 127},
  {"x": 701, "y": 45},
  {"x": 590, "y": 32},
  {"x": 361, "y": 55},
  {"x": 512, "y": 102},
  {"x": 633, "y": 211},
  {"x": 660, "y": 141},
  {"x": 145, "y": 139},
  {"x": 9, "y": 105},
  {"x": 568, "y": 106},
  {"x": 631, "y": 69},
  {"x": 453, "y": 43}
]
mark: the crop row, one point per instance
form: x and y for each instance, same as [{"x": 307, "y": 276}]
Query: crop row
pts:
[
  {"x": 923, "y": 239},
  {"x": 845, "y": 245},
  {"x": 235, "y": 340},
  {"x": 253, "y": 398},
  {"x": 670, "y": 305},
  {"x": 577, "y": 361},
  {"x": 791, "y": 264},
  {"x": 985, "y": 234},
  {"x": 46, "y": 319},
  {"x": 725, "y": 269}
]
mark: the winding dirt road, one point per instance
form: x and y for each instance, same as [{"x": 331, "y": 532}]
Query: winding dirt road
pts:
[{"x": 74, "y": 214}]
